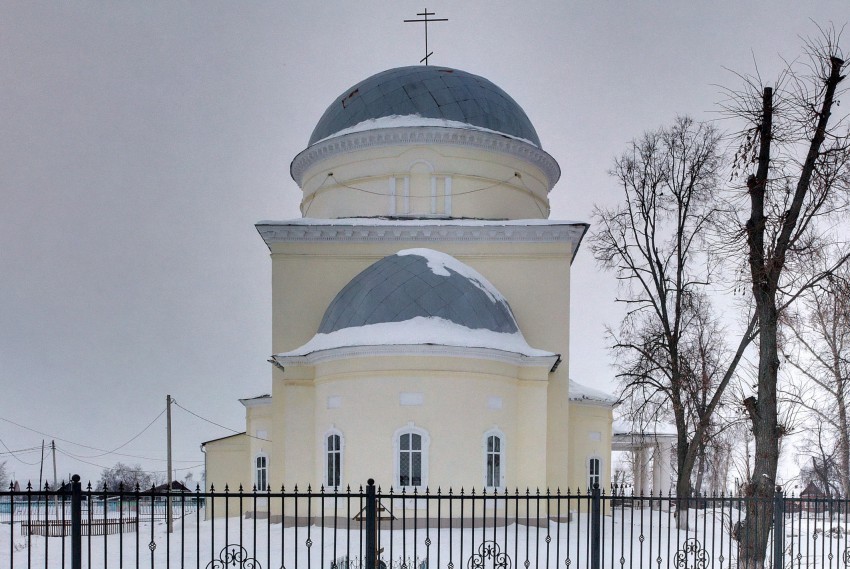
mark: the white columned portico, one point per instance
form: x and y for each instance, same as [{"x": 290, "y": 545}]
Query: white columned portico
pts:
[
  {"x": 647, "y": 446},
  {"x": 662, "y": 466}
]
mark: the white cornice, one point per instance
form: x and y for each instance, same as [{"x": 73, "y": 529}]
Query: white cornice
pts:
[
  {"x": 418, "y": 135},
  {"x": 257, "y": 401},
  {"x": 593, "y": 403},
  {"x": 423, "y": 231},
  {"x": 322, "y": 356}
]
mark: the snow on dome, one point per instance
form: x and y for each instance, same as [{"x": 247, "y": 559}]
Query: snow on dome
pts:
[
  {"x": 417, "y": 331},
  {"x": 428, "y": 92},
  {"x": 419, "y": 282},
  {"x": 396, "y": 121},
  {"x": 444, "y": 265}
]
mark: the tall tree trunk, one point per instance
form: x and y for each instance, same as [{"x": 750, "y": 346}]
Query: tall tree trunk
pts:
[
  {"x": 843, "y": 447},
  {"x": 685, "y": 460},
  {"x": 755, "y": 530},
  {"x": 766, "y": 266},
  {"x": 762, "y": 411},
  {"x": 685, "y": 464},
  {"x": 700, "y": 472}
]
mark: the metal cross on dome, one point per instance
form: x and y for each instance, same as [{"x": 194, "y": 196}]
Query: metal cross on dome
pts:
[{"x": 425, "y": 19}]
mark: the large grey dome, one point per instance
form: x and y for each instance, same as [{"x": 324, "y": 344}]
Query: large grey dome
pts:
[
  {"x": 419, "y": 282},
  {"x": 430, "y": 92}
]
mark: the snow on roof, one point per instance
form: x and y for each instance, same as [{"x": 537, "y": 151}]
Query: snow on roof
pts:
[
  {"x": 624, "y": 427},
  {"x": 417, "y": 331},
  {"x": 582, "y": 393},
  {"x": 398, "y": 121},
  {"x": 441, "y": 263},
  {"x": 258, "y": 400},
  {"x": 391, "y": 222}
]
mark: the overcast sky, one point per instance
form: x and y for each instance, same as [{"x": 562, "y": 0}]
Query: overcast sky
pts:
[{"x": 141, "y": 141}]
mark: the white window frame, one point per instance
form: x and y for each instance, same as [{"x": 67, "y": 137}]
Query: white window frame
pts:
[
  {"x": 411, "y": 429},
  {"x": 494, "y": 432},
  {"x": 433, "y": 207},
  {"x": 326, "y": 451},
  {"x": 399, "y": 193},
  {"x": 265, "y": 469},
  {"x": 590, "y": 474}
]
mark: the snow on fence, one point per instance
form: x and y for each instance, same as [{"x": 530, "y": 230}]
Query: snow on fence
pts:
[
  {"x": 63, "y": 528},
  {"x": 369, "y": 528}
]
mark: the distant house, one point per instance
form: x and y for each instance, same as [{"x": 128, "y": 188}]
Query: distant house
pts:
[
  {"x": 813, "y": 499},
  {"x": 812, "y": 492},
  {"x": 176, "y": 486}
]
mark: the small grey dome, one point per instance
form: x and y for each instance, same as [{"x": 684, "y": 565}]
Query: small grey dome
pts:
[
  {"x": 431, "y": 92},
  {"x": 403, "y": 286}
]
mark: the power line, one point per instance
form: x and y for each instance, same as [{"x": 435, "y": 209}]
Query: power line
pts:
[
  {"x": 19, "y": 459},
  {"x": 417, "y": 197},
  {"x": 174, "y": 401},
  {"x": 425, "y": 197},
  {"x": 101, "y": 466},
  {"x": 22, "y": 450},
  {"x": 81, "y": 444},
  {"x": 122, "y": 454},
  {"x": 131, "y": 440}
]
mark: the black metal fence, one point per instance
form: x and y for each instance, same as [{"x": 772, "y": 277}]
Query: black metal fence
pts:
[{"x": 369, "y": 528}]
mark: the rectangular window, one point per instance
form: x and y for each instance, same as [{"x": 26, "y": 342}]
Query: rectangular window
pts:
[
  {"x": 334, "y": 455},
  {"x": 494, "y": 461},
  {"x": 410, "y": 460},
  {"x": 441, "y": 195},
  {"x": 593, "y": 471},
  {"x": 399, "y": 195},
  {"x": 262, "y": 473}
]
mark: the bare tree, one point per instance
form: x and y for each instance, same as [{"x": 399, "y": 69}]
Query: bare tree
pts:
[
  {"x": 703, "y": 359},
  {"x": 720, "y": 457},
  {"x": 821, "y": 465},
  {"x": 4, "y": 476},
  {"x": 653, "y": 243},
  {"x": 800, "y": 155},
  {"x": 127, "y": 476},
  {"x": 819, "y": 350}
]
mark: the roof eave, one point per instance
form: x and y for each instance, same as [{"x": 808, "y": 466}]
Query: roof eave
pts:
[
  {"x": 550, "y": 362},
  {"x": 418, "y": 135}
]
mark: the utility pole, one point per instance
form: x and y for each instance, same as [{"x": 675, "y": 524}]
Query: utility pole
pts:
[
  {"x": 168, "y": 476},
  {"x": 41, "y": 467},
  {"x": 55, "y": 488}
]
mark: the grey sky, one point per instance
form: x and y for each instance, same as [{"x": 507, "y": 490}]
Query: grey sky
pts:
[{"x": 140, "y": 142}]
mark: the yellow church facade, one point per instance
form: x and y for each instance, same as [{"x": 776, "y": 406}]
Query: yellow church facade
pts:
[{"x": 421, "y": 305}]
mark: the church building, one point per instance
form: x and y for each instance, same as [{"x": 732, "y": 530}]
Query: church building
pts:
[{"x": 421, "y": 305}]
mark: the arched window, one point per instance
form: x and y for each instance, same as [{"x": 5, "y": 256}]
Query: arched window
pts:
[
  {"x": 494, "y": 459},
  {"x": 333, "y": 459},
  {"x": 594, "y": 472},
  {"x": 411, "y": 453},
  {"x": 261, "y": 472}
]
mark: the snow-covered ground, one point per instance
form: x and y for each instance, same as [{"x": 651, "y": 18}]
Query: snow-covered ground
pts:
[{"x": 631, "y": 538}]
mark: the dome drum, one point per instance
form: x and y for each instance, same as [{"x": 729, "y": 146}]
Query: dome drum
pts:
[
  {"x": 349, "y": 176},
  {"x": 470, "y": 129}
]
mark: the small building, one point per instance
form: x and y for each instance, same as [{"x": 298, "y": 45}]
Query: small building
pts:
[
  {"x": 813, "y": 499},
  {"x": 177, "y": 487}
]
